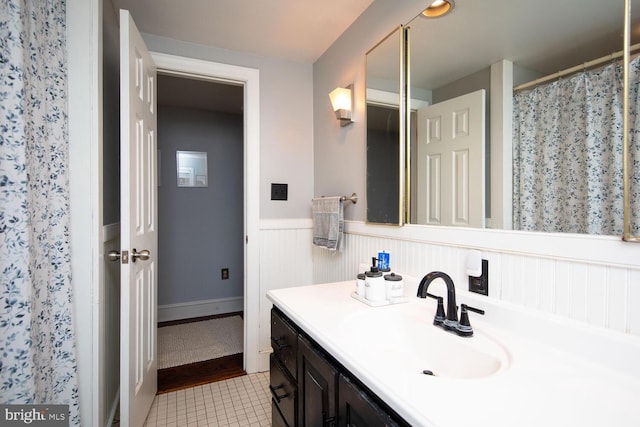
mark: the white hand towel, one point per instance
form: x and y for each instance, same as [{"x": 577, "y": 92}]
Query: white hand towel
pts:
[{"x": 328, "y": 222}]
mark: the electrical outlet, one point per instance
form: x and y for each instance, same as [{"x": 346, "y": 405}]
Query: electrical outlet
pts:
[
  {"x": 279, "y": 191},
  {"x": 480, "y": 285},
  {"x": 224, "y": 273}
]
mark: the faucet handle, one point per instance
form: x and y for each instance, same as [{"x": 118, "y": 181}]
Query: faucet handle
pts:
[
  {"x": 464, "y": 326},
  {"x": 475, "y": 310},
  {"x": 440, "y": 316}
]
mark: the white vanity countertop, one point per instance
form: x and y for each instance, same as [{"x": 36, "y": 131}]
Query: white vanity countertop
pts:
[{"x": 560, "y": 373}]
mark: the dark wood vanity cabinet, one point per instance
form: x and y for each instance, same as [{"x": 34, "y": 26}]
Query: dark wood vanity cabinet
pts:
[
  {"x": 283, "y": 366},
  {"x": 318, "y": 385},
  {"x": 320, "y": 392},
  {"x": 283, "y": 392},
  {"x": 357, "y": 408},
  {"x": 284, "y": 341}
]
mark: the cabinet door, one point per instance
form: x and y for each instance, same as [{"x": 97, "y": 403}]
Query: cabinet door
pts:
[
  {"x": 284, "y": 340},
  {"x": 283, "y": 391},
  {"x": 317, "y": 385},
  {"x": 357, "y": 409},
  {"x": 277, "y": 419}
]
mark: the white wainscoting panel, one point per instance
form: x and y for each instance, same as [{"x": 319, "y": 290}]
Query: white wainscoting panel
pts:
[
  {"x": 597, "y": 292},
  {"x": 285, "y": 261}
]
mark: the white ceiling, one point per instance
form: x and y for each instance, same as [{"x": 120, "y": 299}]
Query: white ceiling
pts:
[
  {"x": 542, "y": 35},
  {"x": 296, "y": 30}
]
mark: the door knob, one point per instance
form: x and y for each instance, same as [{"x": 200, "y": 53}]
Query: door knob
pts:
[
  {"x": 113, "y": 256},
  {"x": 143, "y": 255}
]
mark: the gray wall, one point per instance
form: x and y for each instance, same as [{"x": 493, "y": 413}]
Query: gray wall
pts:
[
  {"x": 286, "y": 122},
  {"x": 523, "y": 75},
  {"x": 111, "y": 114},
  {"x": 201, "y": 229},
  {"x": 475, "y": 81},
  {"x": 339, "y": 152}
]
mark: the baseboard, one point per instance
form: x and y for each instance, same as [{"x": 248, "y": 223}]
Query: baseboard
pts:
[
  {"x": 263, "y": 360},
  {"x": 202, "y": 308}
]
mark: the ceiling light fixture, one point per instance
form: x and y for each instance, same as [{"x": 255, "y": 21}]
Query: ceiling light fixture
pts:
[{"x": 438, "y": 8}]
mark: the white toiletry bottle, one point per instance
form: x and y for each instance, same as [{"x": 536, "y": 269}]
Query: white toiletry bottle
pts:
[
  {"x": 394, "y": 288},
  {"x": 374, "y": 284},
  {"x": 360, "y": 285}
]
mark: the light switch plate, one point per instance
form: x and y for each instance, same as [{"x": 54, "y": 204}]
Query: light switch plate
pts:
[{"x": 279, "y": 191}]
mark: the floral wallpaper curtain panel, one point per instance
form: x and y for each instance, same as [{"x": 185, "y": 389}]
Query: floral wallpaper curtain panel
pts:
[
  {"x": 567, "y": 149},
  {"x": 37, "y": 342}
]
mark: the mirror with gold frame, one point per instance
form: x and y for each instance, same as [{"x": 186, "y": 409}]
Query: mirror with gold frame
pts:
[
  {"x": 385, "y": 152},
  {"x": 499, "y": 46}
]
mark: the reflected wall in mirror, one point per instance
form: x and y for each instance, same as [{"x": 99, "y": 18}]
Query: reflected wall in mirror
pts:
[
  {"x": 551, "y": 155},
  {"x": 192, "y": 169},
  {"x": 385, "y": 130}
]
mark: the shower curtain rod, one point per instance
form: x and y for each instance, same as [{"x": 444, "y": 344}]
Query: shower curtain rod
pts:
[{"x": 575, "y": 69}]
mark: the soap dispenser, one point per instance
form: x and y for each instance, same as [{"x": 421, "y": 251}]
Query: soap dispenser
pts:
[{"x": 374, "y": 283}]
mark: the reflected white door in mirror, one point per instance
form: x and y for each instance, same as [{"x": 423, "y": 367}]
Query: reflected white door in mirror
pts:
[{"x": 451, "y": 144}]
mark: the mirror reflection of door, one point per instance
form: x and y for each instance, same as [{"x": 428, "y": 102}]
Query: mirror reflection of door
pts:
[{"x": 450, "y": 156}]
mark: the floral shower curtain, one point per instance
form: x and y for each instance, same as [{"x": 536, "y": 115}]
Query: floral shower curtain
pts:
[
  {"x": 567, "y": 149},
  {"x": 37, "y": 342},
  {"x": 634, "y": 146}
]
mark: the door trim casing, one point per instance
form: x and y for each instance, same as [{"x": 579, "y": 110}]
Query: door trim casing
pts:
[{"x": 250, "y": 79}]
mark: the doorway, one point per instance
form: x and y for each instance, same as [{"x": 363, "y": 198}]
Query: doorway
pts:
[
  {"x": 248, "y": 79},
  {"x": 200, "y": 243}
]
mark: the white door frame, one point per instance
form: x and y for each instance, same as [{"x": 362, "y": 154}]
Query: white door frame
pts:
[{"x": 250, "y": 78}]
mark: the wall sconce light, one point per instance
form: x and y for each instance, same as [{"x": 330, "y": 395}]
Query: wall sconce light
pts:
[{"x": 342, "y": 102}]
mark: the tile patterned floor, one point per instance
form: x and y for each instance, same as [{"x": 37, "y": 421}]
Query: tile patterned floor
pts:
[{"x": 241, "y": 401}]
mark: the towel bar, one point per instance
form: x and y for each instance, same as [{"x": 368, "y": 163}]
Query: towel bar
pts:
[{"x": 353, "y": 198}]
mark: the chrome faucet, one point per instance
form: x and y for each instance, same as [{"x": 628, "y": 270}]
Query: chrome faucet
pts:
[{"x": 450, "y": 322}]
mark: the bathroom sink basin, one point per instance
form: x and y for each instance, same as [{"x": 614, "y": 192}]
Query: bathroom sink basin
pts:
[{"x": 403, "y": 336}]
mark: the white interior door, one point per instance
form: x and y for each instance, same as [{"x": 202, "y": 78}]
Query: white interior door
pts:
[
  {"x": 450, "y": 155},
  {"x": 139, "y": 228}
]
